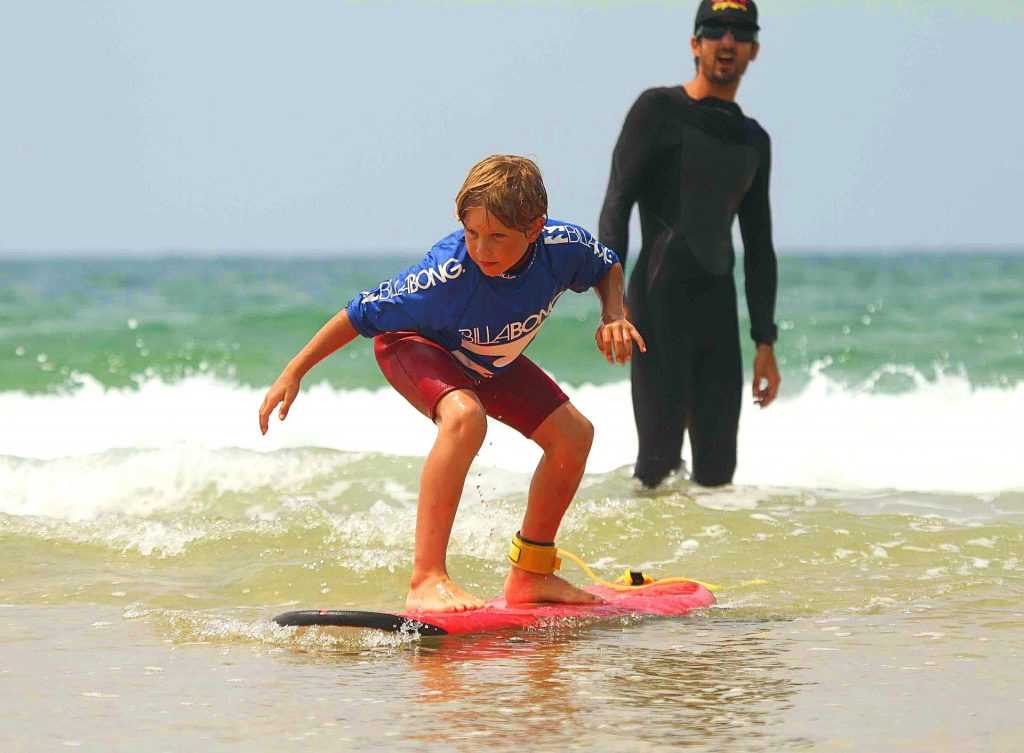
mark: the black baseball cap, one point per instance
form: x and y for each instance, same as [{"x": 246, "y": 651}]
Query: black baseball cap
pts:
[{"x": 742, "y": 11}]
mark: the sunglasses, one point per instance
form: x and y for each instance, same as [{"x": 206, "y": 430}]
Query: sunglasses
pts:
[{"x": 715, "y": 32}]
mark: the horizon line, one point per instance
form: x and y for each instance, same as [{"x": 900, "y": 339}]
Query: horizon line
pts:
[{"x": 955, "y": 250}]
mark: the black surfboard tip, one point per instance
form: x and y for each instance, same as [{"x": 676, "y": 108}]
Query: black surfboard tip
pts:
[{"x": 391, "y": 623}]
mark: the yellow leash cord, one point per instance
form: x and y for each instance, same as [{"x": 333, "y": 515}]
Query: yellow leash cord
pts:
[{"x": 650, "y": 581}]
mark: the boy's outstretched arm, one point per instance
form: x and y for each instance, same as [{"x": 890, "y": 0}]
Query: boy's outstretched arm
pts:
[
  {"x": 615, "y": 334},
  {"x": 337, "y": 333}
]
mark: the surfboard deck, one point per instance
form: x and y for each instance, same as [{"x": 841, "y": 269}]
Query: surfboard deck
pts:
[{"x": 669, "y": 599}]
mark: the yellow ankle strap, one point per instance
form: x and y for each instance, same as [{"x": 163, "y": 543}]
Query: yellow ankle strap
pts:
[{"x": 535, "y": 558}]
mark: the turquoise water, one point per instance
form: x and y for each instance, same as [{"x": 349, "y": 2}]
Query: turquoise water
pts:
[
  {"x": 149, "y": 533},
  {"x": 124, "y": 319}
]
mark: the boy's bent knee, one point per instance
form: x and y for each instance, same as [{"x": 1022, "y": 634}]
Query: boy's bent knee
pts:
[
  {"x": 461, "y": 413},
  {"x": 569, "y": 434},
  {"x": 583, "y": 436}
]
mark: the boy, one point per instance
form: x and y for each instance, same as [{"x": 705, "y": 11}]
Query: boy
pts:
[{"x": 448, "y": 334}]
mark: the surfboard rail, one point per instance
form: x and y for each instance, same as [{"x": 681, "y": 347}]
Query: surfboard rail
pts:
[{"x": 671, "y": 599}]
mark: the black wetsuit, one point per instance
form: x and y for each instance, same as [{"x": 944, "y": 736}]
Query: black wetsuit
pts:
[{"x": 693, "y": 166}]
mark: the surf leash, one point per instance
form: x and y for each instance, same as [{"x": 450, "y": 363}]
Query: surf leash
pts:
[
  {"x": 544, "y": 557},
  {"x": 632, "y": 580}
]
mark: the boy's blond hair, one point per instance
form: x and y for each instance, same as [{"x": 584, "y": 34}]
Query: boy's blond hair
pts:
[{"x": 509, "y": 187}]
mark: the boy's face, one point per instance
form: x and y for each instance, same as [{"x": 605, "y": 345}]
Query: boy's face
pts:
[{"x": 494, "y": 247}]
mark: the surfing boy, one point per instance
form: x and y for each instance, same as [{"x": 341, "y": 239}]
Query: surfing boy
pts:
[{"x": 448, "y": 335}]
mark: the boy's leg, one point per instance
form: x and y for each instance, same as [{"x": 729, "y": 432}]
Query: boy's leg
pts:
[
  {"x": 426, "y": 375},
  {"x": 565, "y": 436},
  {"x": 526, "y": 399},
  {"x": 461, "y": 426}
]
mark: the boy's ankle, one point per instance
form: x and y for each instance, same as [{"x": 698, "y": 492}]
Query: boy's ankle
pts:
[{"x": 419, "y": 577}]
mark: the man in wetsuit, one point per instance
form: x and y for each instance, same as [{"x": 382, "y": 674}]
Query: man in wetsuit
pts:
[{"x": 693, "y": 162}]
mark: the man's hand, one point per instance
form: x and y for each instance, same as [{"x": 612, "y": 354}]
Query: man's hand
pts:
[
  {"x": 615, "y": 339},
  {"x": 766, "y": 376},
  {"x": 283, "y": 393}
]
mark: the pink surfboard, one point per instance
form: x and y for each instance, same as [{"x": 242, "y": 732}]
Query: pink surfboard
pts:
[{"x": 668, "y": 599}]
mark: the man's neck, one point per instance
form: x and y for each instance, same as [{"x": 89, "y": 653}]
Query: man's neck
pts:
[{"x": 700, "y": 87}]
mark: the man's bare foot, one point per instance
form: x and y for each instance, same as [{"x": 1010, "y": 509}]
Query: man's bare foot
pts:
[
  {"x": 438, "y": 593},
  {"x": 524, "y": 587}
]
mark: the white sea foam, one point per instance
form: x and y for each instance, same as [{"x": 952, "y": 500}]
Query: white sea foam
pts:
[{"x": 943, "y": 436}]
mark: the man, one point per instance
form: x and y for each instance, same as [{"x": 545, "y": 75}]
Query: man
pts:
[{"x": 693, "y": 162}]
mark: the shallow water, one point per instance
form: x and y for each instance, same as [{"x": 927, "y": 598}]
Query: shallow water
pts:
[
  {"x": 883, "y": 625},
  {"x": 149, "y": 534},
  {"x": 723, "y": 680}
]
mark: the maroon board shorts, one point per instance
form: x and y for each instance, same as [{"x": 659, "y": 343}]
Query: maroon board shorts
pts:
[{"x": 521, "y": 396}]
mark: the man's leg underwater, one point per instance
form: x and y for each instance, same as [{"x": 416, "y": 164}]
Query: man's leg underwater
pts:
[
  {"x": 717, "y": 392},
  {"x": 715, "y": 424},
  {"x": 659, "y": 410},
  {"x": 657, "y": 377}
]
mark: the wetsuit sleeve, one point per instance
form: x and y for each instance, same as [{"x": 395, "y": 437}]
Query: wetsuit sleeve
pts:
[
  {"x": 760, "y": 267},
  {"x": 409, "y": 302},
  {"x": 637, "y": 145}
]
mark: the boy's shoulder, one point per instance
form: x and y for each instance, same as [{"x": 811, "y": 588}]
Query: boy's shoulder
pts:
[
  {"x": 452, "y": 245},
  {"x": 446, "y": 258},
  {"x": 557, "y": 232},
  {"x": 442, "y": 268},
  {"x": 568, "y": 245}
]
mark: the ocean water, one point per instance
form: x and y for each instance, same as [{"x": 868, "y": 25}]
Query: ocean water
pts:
[{"x": 148, "y": 533}]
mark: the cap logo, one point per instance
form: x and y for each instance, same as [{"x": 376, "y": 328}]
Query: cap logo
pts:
[{"x": 730, "y": 5}]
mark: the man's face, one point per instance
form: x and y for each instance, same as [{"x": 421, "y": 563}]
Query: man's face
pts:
[
  {"x": 723, "y": 61},
  {"x": 494, "y": 247}
]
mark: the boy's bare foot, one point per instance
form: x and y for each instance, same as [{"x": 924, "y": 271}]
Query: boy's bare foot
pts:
[
  {"x": 523, "y": 587},
  {"x": 438, "y": 593}
]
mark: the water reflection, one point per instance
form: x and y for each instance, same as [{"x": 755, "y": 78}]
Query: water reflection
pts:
[{"x": 665, "y": 683}]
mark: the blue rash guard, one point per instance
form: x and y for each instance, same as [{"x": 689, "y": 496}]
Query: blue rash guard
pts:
[{"x": 485, "y": 322}]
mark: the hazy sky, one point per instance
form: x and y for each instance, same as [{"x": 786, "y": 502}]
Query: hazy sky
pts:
[{"x": 234, "y": 124}]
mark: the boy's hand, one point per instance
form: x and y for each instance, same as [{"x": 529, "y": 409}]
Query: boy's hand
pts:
[
  {"x": 615, "y": 339},
  {"x": 283, "y": 392}
]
